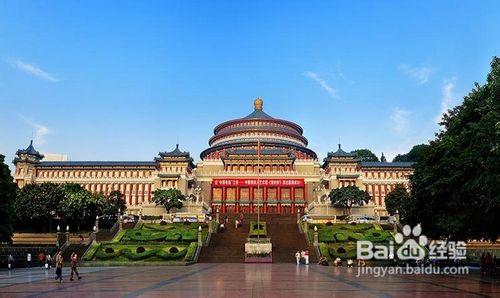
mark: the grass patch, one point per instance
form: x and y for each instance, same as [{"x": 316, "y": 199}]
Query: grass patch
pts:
[{"x": 341, "y": 233}]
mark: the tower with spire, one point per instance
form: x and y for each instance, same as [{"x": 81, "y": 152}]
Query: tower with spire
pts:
[{"x": 26, "y": 161}]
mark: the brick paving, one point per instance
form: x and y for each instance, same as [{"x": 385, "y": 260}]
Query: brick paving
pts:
[{"x": 238, "y": 280}]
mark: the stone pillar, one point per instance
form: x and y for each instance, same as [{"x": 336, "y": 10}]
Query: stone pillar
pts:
[
  {"x": 120, "y": 223},
  {"x": 315, "y": 241}
]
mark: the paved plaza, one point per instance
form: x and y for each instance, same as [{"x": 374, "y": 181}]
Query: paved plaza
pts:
[{"x": 237, "y": 280}]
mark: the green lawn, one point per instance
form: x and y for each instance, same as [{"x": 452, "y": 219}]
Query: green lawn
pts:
[
  {"x": 176, "y": 242},
  {"x": 341, "y": 233},
  {"x": 339, "y": 240}
]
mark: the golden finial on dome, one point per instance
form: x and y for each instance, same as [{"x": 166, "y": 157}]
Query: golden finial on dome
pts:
[{"x": 257, "y": 103}]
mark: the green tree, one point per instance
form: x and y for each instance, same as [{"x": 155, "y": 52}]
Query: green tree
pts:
[
  {"x": 80, "y": 207},
  {"x": 7, "y": 196},
  {"x": 455, "y": 187},
  {"x": 396, "y": 198},
  {"x": 169, "y": 198},
  {"x": 35, "y": 205},
  {"x": 365, "y": 155},
  {"x": 348, "y": 196},
  {"x": 416, "y": 153},
  {"x": 114, "y": 201}
]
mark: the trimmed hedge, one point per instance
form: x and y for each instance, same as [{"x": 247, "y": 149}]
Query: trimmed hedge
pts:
[
  {"x": 89, "y": 255},
  {"x": 191, "y": 252},
  {"x": 134, "y": 256}
]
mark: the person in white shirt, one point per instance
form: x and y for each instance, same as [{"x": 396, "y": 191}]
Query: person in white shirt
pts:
[{"x": 28, "y": 260}]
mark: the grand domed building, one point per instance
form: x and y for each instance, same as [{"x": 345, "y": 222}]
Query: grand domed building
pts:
[{"x": 257, "y": 162}]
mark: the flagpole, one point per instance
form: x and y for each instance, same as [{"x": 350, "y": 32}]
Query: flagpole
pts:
[{"x": 258, "y": 188}]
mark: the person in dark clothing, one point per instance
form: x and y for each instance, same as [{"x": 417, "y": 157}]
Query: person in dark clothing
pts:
[
  {"x": 59, "y": 264},
  {"x": 74, "y": 262}
]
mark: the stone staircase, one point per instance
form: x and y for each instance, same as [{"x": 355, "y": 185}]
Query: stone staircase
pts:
[
  {"x": 229, "y": 247},
  {"x": 226, "y": 247}
]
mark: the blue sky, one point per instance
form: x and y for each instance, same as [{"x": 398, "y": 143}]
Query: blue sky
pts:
[{"x": 124, "y": 80}]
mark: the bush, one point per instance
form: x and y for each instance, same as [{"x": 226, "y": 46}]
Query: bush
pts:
[
  {"x": 173, "y": 250},
  {"x": 341, "y": 237},
  {"x": 171, "y": 256},
  {"x": 140, "y": 249},
  {"x": 323, "y": 249}
]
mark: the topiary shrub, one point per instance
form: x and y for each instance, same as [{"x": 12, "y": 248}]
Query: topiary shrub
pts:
[
  {"x": 140, "y": 249},
  {"x": 109, "y": 250},
  {"x": 173, "y": 250},
  {"x": 341, "y": 237}
]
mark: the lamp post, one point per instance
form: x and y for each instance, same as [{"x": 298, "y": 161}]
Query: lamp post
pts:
[
  {"x": 315, "y": 242},
  {"x": 96, "y": 226},
  {"x": 58, "y": 235},
  {"x": 200, "y": 243},
  {"x": 67, "y": 233}
]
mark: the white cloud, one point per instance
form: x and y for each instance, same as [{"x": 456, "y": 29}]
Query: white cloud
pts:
[
  {"x": 34, "y": 70},
  {"x": 341, "y": 74},
  {"x": 420, "y": 74},
  {"x": 40, "y": 131},
  {"x": 400, "y": 120},
  {"x": 447, "y": 99},
  {"x": 318, "y": 79}
]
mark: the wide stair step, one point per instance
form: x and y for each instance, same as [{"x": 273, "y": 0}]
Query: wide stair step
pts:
[{"x": 229, "y": 247}]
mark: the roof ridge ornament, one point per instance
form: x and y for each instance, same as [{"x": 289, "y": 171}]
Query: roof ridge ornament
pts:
[{"x": 258, "y": 103}]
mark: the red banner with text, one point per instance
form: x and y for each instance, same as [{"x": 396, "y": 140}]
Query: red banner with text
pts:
[{"x": 256, "y": 181}]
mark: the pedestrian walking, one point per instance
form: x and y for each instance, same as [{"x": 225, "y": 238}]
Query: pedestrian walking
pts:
[
  {"x": 41, "y": 258},
  {"x": 10, "y": 261},
  {"x": 48, "y": 262},
  {"x": 59, "y": 265},
  {"x": 28, "y": 260},
  {"x": 74, "y": 262}
]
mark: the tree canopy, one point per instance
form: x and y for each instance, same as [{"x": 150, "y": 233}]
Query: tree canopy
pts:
[
  {"x": 348, "y": 196},
  {"x": 396, "y": 198},
  {"x": 7, "y": 195},
  {"x": 455, "y": 186},
  {"x": 36, "y": 205},
  {"x": 169, "y": 198},
  {"x": 415, "y": 154},
  {"x": 365, "y": 155}
]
